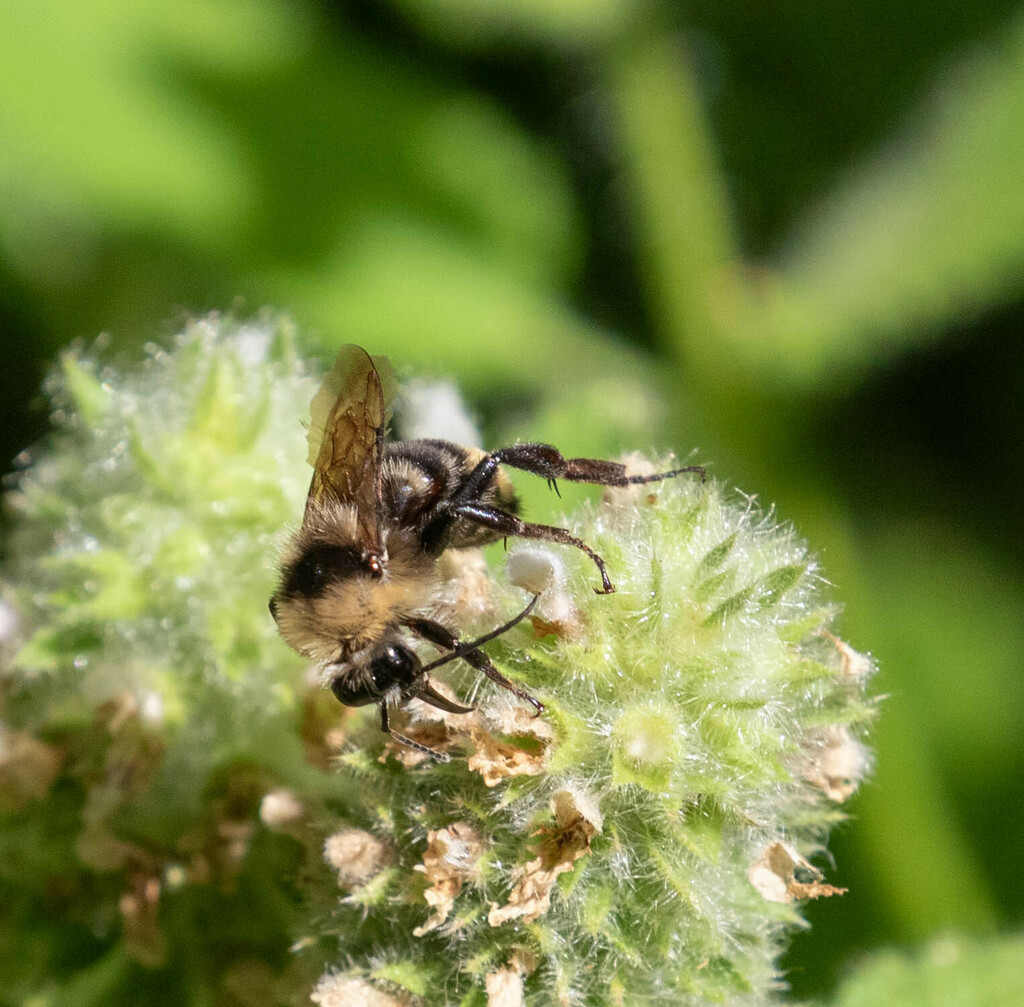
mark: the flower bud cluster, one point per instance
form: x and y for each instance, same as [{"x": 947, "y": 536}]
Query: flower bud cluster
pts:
[{"x": 648, "y": 839}]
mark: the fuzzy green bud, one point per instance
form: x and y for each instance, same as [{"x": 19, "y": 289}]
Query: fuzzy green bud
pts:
[
  {"x": 632, "y": 835},
  {"x": 148, "y": 710}
]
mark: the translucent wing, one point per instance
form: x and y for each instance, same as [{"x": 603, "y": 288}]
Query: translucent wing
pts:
[{"x": 348, "y": 417}]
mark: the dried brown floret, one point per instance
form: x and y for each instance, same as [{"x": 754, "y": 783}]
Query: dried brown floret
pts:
[
  {"x": 854, "y": 666},
  {"x": 836, "y": 762},
  {"x": 576, "y": 821},
  {"x": 780, "y": 874},
  {"x": 450, "y": 859},
  {"x": 467, "y": 584},
  {"x": 337, "y": 990},
  {"x": 518, "y": 720},
  {"x": 356, "y": 855},
  {"x": 504, "y": 988},
  {"x": 495, "y": 760},
  {"x": 436, "y": 736}
]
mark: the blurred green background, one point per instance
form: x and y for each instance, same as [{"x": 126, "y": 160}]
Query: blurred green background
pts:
[{"x": 786, "y": 236}]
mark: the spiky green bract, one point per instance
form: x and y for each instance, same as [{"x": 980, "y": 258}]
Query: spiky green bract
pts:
[
  {"x": 147, "y": 704},
  {"x": 688, "y": 711}
]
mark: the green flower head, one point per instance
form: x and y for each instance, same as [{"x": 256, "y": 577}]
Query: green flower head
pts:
[{"x": 647, "y": 839}]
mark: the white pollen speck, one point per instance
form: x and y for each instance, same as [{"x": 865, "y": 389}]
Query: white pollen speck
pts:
[
  {"x": 535, "y": 569},
  {"x": 542, "y": 571}
]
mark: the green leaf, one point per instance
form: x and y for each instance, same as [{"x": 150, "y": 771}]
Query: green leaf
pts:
[
  {"x": 688, "y": 245},
  {"x": 482, "y": 23},
  {"x": 408, "y": 975},
  {"x": 732, "y": 605},
  {"x": 930, "y": 231},
  {"x": 714, "y": 585},
  {"x": 777, "y": 583},
  {"x": 91, "y": 132},
  {"x": 949, "y": 972},
  {"x": 715, "y": 557}
]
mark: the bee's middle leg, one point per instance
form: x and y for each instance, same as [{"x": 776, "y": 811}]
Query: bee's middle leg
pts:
[
  {"x": 505, "y": 524},
  {"x": 538, "y": 459}
]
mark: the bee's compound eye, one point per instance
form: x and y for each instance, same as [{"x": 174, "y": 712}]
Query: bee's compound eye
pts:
[
  {"x": 352, "y": 689},
  {"x": 394, "y": 665}
]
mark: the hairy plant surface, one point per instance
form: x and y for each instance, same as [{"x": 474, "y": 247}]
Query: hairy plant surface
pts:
[{"x": 171, "y": 778}]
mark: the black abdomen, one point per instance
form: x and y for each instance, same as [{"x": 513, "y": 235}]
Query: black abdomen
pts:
[{"x": 421, "y": 477}]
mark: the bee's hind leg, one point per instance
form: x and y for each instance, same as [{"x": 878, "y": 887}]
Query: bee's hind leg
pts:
[
  {"x": 408, "y": 742},
  {"x": 549, "y": 463}
]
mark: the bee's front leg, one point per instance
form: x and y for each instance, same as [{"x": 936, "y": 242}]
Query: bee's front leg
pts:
[{"x": 470, "y": 651}]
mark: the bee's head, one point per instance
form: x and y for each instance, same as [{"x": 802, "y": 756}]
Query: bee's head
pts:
[
  {"x": 335, "y": 595},
  {"x": 388, "y": 667}
]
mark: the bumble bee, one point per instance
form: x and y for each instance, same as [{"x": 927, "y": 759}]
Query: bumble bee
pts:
[{"x": 360, "y": 579}]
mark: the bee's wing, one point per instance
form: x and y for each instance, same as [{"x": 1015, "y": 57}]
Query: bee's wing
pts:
[{"x": 348, "y": 418}]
